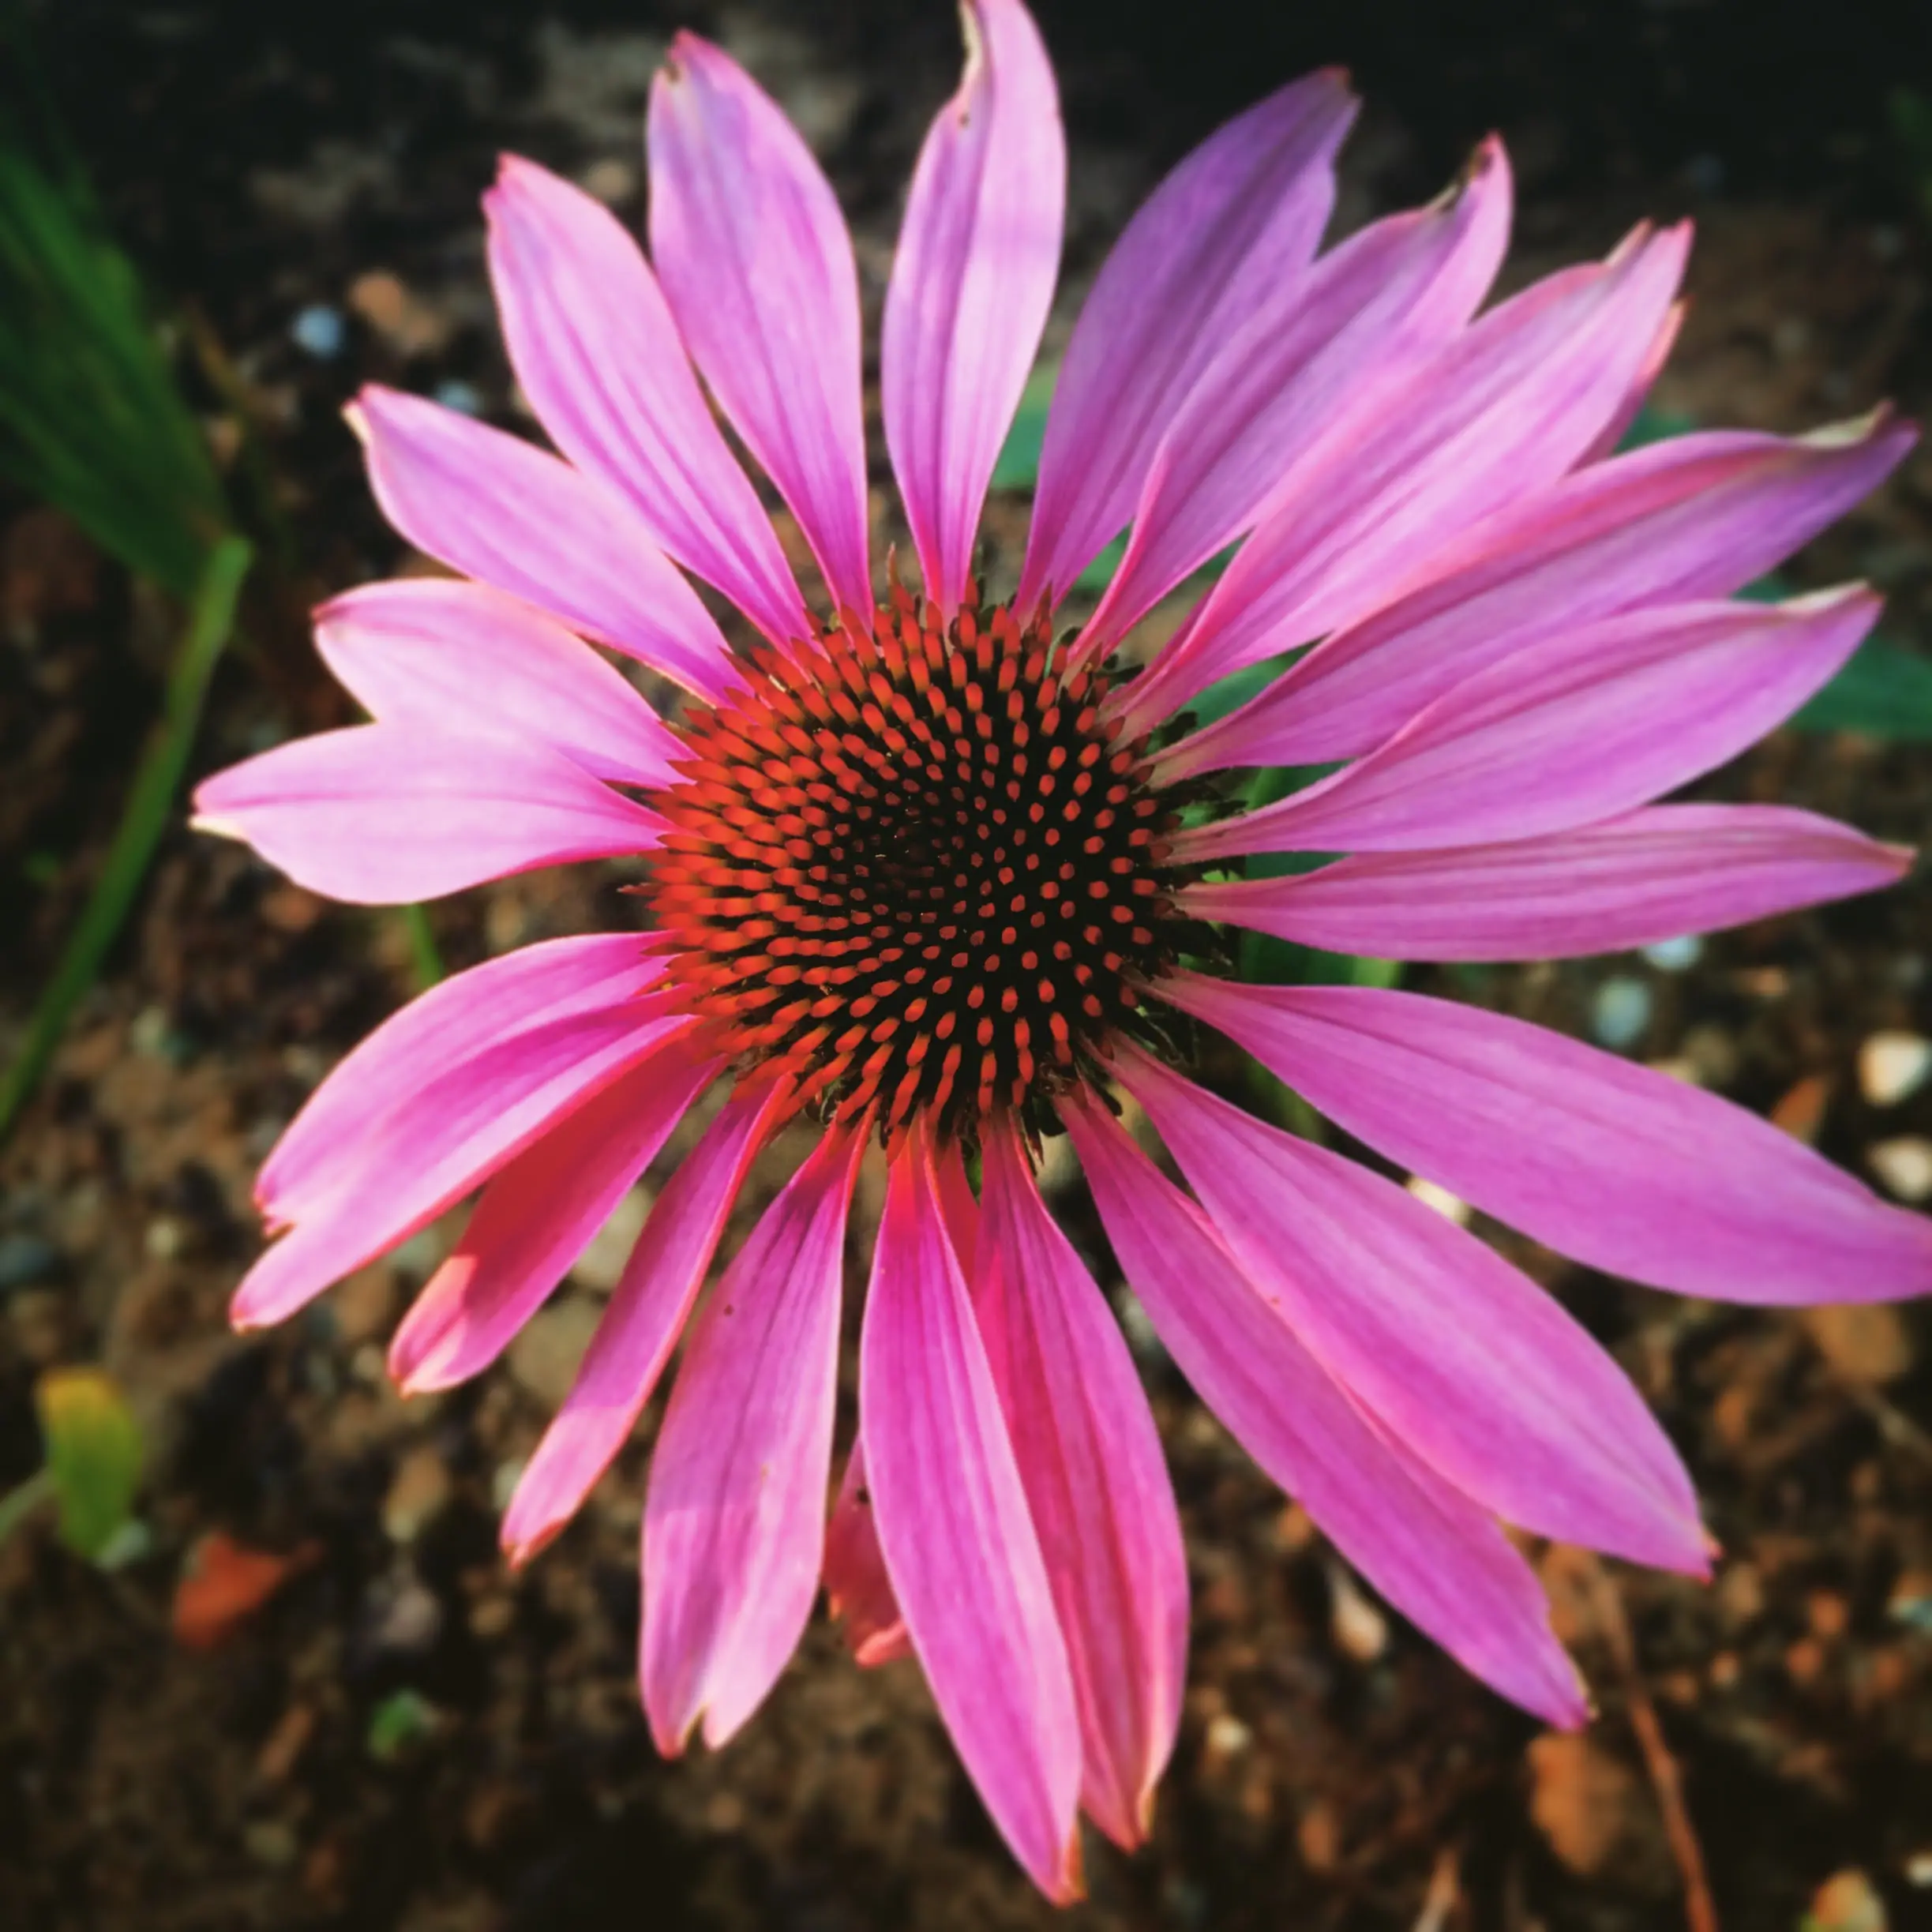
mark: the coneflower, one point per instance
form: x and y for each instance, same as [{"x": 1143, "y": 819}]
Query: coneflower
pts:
[{"x": 931, "y": 873}]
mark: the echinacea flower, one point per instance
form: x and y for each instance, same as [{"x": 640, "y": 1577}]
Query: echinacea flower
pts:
[{"x": 930, "y": 873}]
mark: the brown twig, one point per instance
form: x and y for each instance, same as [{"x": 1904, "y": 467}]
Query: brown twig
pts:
[
  {"x": 1444, "y": 1894},
  {"x": 1699, "y": 1912}
]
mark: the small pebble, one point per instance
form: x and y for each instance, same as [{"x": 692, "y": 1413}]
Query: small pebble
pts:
[
  {"x": 464, "y": 397},
  {"x": 610, "y": 180},
  {"x": 417, "y": 1495},
  {"x": 1227, "y": 1736},
  {"x": 25, "y": 1258},
  {"x": 1892, "y": 1066},
  {"x": 1621, "y": 1013},
  {"x": 409, "y": 325},
  {"x": 402, "y": 1620},
  {"x": 543, "y": 1359},
  {"x": 270, "y": 1843},
  {"x": 1704, "y": 174},
  {"x": 1846, "y": 1902},
  {"x": 1678, "y": 955},
  {"x": 1359, "y": 1629},
  {"x": 1866, "y": 1342},
  {"x": 503, "y": 1481},
  {"x": 320, "y": 332},
  {"x": 1904, "y": 1166}
]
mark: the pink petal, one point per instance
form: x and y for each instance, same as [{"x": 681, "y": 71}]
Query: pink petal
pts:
[
  {"x": 757, "y": 267},
  {"x": 1624, "y": 1168},
  {"x": 596, "y": 351},
  {"x": 1502, "y": 411},
  {"x": 960, "y": 1543},
  {"x": 441, "y": 1029},
  {"x": 382, "y": 815},
  {"x": 959, "y": 1205},
  {"x": 1568, "y": 732},
  {"x": 1691, "y": 517},
  {"x": 641, "y": 1324},
  {"x": 1648, "y": 876},
  {"x": 734, "y": 1522},
  {"x": 1608, "y": 439},
  {"x": 456, "y": 658},
  {"x": 972, "y": 283},
  {"x": 857, "y": 1590},
  {"x": 1227, "y": 236},
  {"x": 1283, "y": 386},
  {"x": 857, "y": 1586},
  {"x": 500, "y": 509},
  {"x": 1096, "y": 1489},
  {"x": 535, "y": 1217},
  {"x": 1450, "y": 1350},
  {"x": 1437, "y": 1558},
  {"x": 448, "y": 1137}
]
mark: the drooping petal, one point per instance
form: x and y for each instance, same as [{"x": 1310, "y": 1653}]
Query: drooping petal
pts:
[
  {"x": 596, "y": 351},
  {"x": 857, "y": 1590},
  {"x": 1284, "y": 386},
  {"x": 437, "y": 1032},
  {"x": 972, "y": 283},
  {"x": 641, "y": 1325},
  {"x": 1435, "y": 1555},
  {"x": 455, "y": 657},
  {"x": 535, "y": 1218},
  {"x": 384, "y": 814},
  {"x": 857, "y": 1586},
  {"x": 1625, "y": 1168},
  {"x": 1451, "y": 1350},
  {"x": 757, "y": 267},
  {"x": 449, "y": 1137},
  {"x": 1097, "y": 1488},
  {"x": 1689, "y": 518},
  {"x": 958, "y": 1541},
  {"x": 734, "y": 1520},
  {"x": 1500, "y": 412},
  {"x": 1227, "y": 236},
  {"x": 501, "y": 510},
  {"x": 1631, "y": 881},
  {"x": 1569, "y": 732}
]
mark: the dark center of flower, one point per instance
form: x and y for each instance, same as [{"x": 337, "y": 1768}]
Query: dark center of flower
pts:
[{"x": 913, "y": 871}]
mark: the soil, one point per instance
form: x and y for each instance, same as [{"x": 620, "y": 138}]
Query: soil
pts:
[{"x": 405, "y": 1733}]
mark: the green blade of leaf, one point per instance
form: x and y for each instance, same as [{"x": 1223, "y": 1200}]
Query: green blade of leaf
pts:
[
  {"x": 144, "y": 818},
  {"x": 91, "y": 420}
]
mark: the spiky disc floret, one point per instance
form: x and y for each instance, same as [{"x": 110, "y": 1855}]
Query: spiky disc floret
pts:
[{"x": 912, "y": 871}]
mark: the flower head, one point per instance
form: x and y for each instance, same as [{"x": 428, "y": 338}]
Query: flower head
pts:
[{"x": 938, "y": 874}]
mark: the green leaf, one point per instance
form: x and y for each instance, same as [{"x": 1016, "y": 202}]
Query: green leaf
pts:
[
  {"x": 144, "y": 818},
  {"x": 425, "y": 958},
  {"x": 402, "y": 1718},
  {"x": 1655, "y": 425},
  {"x": 1885, "y": 690},
  {"x": 1018, "y": 467},
  {"x": 93, "y": 1454}
]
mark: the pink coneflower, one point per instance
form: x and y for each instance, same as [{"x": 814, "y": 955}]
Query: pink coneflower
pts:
[{"x": 932, "y": 874}]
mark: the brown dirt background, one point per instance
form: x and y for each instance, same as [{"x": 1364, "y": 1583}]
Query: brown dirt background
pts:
[{"x": 1332, "y": 1771}]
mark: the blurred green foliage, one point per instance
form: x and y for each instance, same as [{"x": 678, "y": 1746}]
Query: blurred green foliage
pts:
[{"x": 91, "y": 418}]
